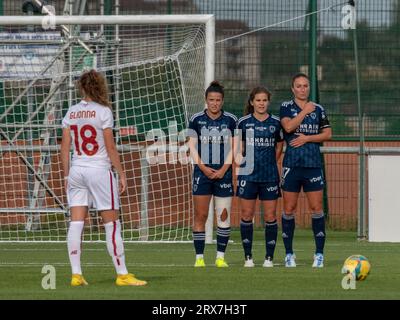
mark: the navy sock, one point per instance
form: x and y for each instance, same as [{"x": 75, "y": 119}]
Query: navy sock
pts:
[
  {"x": 199, "y": 241},
  {"x": 222, "y": 238},
  {"x": 271, "y": 235},
  {"x": 318, "y": 226},
  {"x": 246, "y": 231},
  {"x": 288, "y": 225}
]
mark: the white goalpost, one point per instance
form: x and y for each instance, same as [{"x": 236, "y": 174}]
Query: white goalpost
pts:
[{"x": 157, "y": 67}]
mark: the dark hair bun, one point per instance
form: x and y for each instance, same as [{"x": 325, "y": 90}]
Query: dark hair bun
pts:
[{"x": 215, "y": 83}]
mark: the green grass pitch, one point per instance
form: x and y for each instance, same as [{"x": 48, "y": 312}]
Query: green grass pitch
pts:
[{"x": 169, "y": 270}]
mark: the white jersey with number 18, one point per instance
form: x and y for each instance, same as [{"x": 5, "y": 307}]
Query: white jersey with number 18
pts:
[{"x": 87, "y": 120}]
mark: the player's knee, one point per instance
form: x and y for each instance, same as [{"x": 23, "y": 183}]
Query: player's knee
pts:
[
  {"x": 270, "y": 217},
  {"x": 246, "y": 215},
  {"x": 290, "y": 208},
  {"x": 316, "y": 208},
  {"x": 223, "y": 208}
]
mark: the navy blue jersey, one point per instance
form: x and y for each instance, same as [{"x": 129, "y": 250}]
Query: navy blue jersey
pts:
[
  {"x": 308, "y": 155},
  {"x": 214, "y": 137},
  {"x": 260, "y": 138}
]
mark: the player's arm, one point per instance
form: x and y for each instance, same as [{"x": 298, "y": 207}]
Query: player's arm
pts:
[
  {"x": 114, "y": 157},
  {"x": 291, "y": 124},
  {"x": 219, "y": 174},
  {"x": 302, "y": 139},
  {"x": 65, "y": 147},
  {"x": 238, "y": 149},
  {"x": 325, "y": 134},
  {"x": 197, "y": 159},
  {"x": 278, "y": 150}
]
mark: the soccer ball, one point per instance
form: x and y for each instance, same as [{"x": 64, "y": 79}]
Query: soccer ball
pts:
[{"x": 357, "y": 265}]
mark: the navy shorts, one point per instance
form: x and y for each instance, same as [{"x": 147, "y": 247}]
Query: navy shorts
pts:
[
  {"x": 203, "y": 186},
  {"x": 250, "y": 190},
  {"x": 311, "y": 179}
]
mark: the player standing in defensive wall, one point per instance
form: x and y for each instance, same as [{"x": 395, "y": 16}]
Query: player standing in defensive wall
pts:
[
  {"x": 210, "y": 140},
  {"x": 257, "y": 149},
  {"x": 88, "y": 126},
  {"x": 305, "y": 126}
]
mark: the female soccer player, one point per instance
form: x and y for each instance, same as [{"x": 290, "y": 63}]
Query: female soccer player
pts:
[
  {"x": 88, "y": 126},
  {"x": 210, "y": 142},
  {"x": 305, "y": 125},
  {"x": 261, "y": 143}
]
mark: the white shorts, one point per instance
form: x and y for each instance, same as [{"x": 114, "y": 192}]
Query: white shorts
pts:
[{"x": 97, "y": 186}]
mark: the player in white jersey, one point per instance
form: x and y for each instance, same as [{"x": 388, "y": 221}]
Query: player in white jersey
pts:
[{"x": 88, "y": 127}]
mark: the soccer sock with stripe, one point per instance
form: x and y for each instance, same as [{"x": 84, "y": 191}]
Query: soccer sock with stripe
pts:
[
  {"x": 271, "y": 235},
  {"x": 222, "y": 240},
  {"x": 288, "y": 226},
  {"x": 199, "y": 241},
  {"x": 74, "y": 240},
  {"x": 246, "y": 231},
  {"x": 318, "y": 226},
  {"x": 115, "y": 246}
]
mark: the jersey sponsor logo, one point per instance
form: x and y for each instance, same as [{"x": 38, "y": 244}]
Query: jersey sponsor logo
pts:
[
  {"x": 320, "y": 234},
  {"x": 74, "y": 252},
  {"x": 287, "y": 103},
  {"x": 316, "y": 179},
  {"x": 260, "y": 142},
  {"x": 308, "y": 128},
  {"x": 274, "y": 188},
  {"x": 261, "y": 128},
  {"x": 272, "y": 242},
  {"x": 86, "y": 114}
]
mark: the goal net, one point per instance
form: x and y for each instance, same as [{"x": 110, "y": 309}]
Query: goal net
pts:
[{"x": 157, "y": 68}]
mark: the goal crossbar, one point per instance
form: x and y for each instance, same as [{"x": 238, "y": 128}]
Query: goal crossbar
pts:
[{"x": 110, "y": 20}]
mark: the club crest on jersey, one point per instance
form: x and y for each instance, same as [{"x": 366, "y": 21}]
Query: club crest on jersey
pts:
[
  {"x": 272, "y": 129},
  {"x": 224, "y": 126},
  {"x": 313, "y": 115}
]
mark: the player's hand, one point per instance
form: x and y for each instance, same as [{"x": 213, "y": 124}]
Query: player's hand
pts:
[
  {"x": 300, "y": 140},
  {"x": 209, "y": 172},
  {"x": 122, "y": 183},
  {"x": 309, "y": 107},
  {"x": 218, "y": 174}
]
